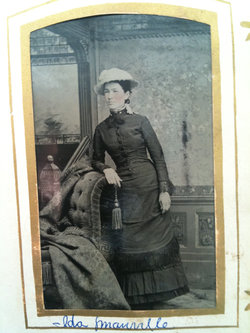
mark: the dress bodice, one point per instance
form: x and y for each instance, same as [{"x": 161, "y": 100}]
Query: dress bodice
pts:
[{"x": 128, "y": 138}]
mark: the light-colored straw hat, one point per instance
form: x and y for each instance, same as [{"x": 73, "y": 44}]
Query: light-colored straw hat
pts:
[{"x": 113, "y": 74}]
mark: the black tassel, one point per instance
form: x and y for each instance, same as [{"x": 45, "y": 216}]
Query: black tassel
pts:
[{"x": 116, "y": 214}]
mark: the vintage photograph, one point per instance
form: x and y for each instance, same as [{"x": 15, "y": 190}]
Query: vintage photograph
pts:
[{"x": 123, "y": 121}]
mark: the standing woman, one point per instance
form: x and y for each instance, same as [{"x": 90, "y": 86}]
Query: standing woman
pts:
[{"x": 147, "y": 261}]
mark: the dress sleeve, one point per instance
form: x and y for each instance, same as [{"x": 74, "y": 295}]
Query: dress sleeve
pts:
[
  {"x": 98, "y": 156},
  {"x": 157, "y": 156}
]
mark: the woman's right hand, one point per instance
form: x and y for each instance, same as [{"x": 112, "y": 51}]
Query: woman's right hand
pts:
[{"x": 112, "y": 177}]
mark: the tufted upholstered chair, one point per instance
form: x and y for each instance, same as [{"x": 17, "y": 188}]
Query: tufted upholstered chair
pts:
[
  {"x": 90, "y": 209},
  {"x": 84, "y": 212}
]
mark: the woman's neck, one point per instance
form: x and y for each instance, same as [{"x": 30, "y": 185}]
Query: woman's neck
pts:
[{"x": 117, "y": 109}]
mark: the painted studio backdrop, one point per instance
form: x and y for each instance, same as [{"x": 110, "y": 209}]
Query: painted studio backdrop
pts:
[{"x": 171, "y": 58}]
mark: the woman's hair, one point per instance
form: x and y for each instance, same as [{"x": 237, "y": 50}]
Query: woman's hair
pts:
[{"x": 125, "y": 84}]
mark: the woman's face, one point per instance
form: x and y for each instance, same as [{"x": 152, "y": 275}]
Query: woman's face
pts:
[{"x": 115, "y": 95}]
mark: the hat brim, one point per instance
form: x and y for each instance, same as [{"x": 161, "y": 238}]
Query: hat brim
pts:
[{"x": 98, "y": 88}]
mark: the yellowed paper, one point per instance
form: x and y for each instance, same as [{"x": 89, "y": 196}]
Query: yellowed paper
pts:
[{"x": 22, "y": 304}]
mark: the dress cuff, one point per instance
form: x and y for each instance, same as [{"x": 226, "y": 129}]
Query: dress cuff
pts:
[
  {"x": 99, "y": 166},
  {"x": 104, "y": 166},
  {"x": 166, "y": 186}
]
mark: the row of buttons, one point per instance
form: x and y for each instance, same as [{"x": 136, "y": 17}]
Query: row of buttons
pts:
[{"x": 123, "y": 154}]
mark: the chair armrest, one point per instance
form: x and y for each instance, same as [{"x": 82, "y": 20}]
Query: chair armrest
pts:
[{"x": 84, "y": 206}]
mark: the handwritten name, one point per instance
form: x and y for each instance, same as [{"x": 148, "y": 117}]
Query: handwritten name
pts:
[
  {"x": 70, "y": 323},
  {"x": 100, "y": 324},
  {"x": 151, "y": 324}
]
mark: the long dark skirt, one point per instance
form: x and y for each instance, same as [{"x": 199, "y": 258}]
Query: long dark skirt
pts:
[{"x": 147, "y": 259}]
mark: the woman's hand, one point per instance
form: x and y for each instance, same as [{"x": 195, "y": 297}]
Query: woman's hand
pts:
[
  {"x": 165, "y": 201},
  {"x": 112, "y": 177}
]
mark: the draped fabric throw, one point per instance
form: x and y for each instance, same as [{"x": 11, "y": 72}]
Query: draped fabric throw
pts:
[{"x": 83, "y": 277}]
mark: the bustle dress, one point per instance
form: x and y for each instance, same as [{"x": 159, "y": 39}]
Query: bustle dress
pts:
[{"x": 147, "y": 259}]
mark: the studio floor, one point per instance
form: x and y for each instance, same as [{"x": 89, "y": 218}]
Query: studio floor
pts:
[{"x": 196, "y": 298}]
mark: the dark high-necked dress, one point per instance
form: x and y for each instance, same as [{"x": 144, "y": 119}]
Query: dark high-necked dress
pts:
[{"x": 147, "y": 259}]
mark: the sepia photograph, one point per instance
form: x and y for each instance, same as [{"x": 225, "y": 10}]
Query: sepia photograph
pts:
[
  {"x": 124, "y": 130},
  {"x": 123, "y": 124}
]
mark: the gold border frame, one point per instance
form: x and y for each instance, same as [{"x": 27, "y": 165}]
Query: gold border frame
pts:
[{"x": 127, "y": 8}]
